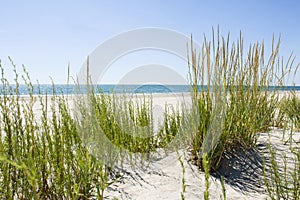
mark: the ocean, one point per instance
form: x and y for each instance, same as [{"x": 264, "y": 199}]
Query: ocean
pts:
[{"x": 49, "y": 89}]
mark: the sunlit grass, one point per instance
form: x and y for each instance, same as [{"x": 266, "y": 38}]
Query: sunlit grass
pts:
[
  {"x": 69, "y": 147},
  {"x": 235, "y": 101}
]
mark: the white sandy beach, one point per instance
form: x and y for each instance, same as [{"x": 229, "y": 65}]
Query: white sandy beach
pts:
[{"x": 162, "y": 179}]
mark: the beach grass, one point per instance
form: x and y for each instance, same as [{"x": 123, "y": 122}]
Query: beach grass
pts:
[
  {"x": 69, "y": 150},
  {"x": 282, "y": 169},
  {"x": 281, "y": 174},
  {"x": 289, "y": 110},
  {"x": 61, "y": 146},
  {"x": 238, "y": 97}
]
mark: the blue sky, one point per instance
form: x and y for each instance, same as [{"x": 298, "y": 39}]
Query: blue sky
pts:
[{"x": 47, "y": 35}]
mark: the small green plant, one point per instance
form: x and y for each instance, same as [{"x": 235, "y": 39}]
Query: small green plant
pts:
[
  {"x": 183, "y": 185},
  {"x": 206, "y": 172},
  {"x": 171, "y": 127},
  {"x": 289, "y": 109},
  {"x": 282, "y": 182},
  {"x": 223, "y": 188}
]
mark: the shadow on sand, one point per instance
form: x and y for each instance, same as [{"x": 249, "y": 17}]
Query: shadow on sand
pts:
[{"x": 243, "y": 169}]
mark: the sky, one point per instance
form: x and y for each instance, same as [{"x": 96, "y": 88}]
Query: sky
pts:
[{"x": 46, "y": 36}]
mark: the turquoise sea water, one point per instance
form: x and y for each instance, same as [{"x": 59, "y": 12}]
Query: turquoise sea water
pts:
[{"x": 73, "y": 89}]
